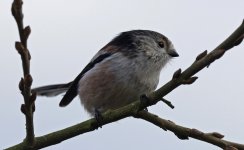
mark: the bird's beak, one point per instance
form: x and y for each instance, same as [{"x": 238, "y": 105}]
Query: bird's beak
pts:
[{"x": 173, "y": 53}]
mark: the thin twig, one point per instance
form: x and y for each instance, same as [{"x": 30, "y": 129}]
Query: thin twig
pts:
[
  {"x": 168, "y": 103},
  {"x": 25, "y": 83},
  {"x": 184, "y": 132},
  {"x": 199, "y": 64}
]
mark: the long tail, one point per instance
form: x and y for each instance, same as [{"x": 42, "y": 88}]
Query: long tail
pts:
[{"x": 52, "y": 90}]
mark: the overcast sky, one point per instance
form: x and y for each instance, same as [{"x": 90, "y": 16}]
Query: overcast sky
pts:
[{"x": 66, "y": 34}]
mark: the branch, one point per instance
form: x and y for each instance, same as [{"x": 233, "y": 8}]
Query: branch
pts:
[
  {"x": 25, "y": 83},
  {"x": 81, "y": 128},
  {"x": 184, "y": 132},
  {"x": 202, "y": 60},
  {"x": 179, "y": 78}
]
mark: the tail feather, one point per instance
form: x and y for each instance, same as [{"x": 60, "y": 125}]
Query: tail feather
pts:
[{"x": 51, "y": 90}]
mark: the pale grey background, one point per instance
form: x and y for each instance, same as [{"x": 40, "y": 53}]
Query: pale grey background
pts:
[{"x": 66, "y": 34}]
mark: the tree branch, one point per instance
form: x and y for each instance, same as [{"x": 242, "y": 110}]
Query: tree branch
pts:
[
  {"x": 184, "y": 132},
  {"x": 186, "y": 77},
  {"x": 25, "y": 83},
  {"x": 202, "y": 60}
]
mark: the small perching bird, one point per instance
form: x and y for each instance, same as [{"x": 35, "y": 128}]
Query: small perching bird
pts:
[{"x": 126, "y": 68}]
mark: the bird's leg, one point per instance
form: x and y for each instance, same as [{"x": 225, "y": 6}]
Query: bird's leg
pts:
[
  {"x": 98, "y": 117},
  {"x": 144, "y": 99}
]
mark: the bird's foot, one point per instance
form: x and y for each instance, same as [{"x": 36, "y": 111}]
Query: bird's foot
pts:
[
  {"x": 98, "y": 118},
  {"x": 144, "y": 100}
]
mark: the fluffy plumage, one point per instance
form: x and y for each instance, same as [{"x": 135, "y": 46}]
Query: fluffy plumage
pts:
[{"x": 119, "y": 73}]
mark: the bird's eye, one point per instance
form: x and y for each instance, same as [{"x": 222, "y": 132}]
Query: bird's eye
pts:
[{"x": 161, "y": 44}]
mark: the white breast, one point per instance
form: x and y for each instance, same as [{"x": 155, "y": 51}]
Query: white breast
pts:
[{"x": 117, "y": 81}]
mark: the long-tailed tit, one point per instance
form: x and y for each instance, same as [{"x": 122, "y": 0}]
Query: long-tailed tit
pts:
[{"x": 123, "y": 70}]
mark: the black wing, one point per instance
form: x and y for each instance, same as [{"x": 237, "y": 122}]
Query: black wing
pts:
[{"x": 72, "y": 91}]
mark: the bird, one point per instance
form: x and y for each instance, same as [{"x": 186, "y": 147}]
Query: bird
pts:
[{"x": 124, "y": 69}]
